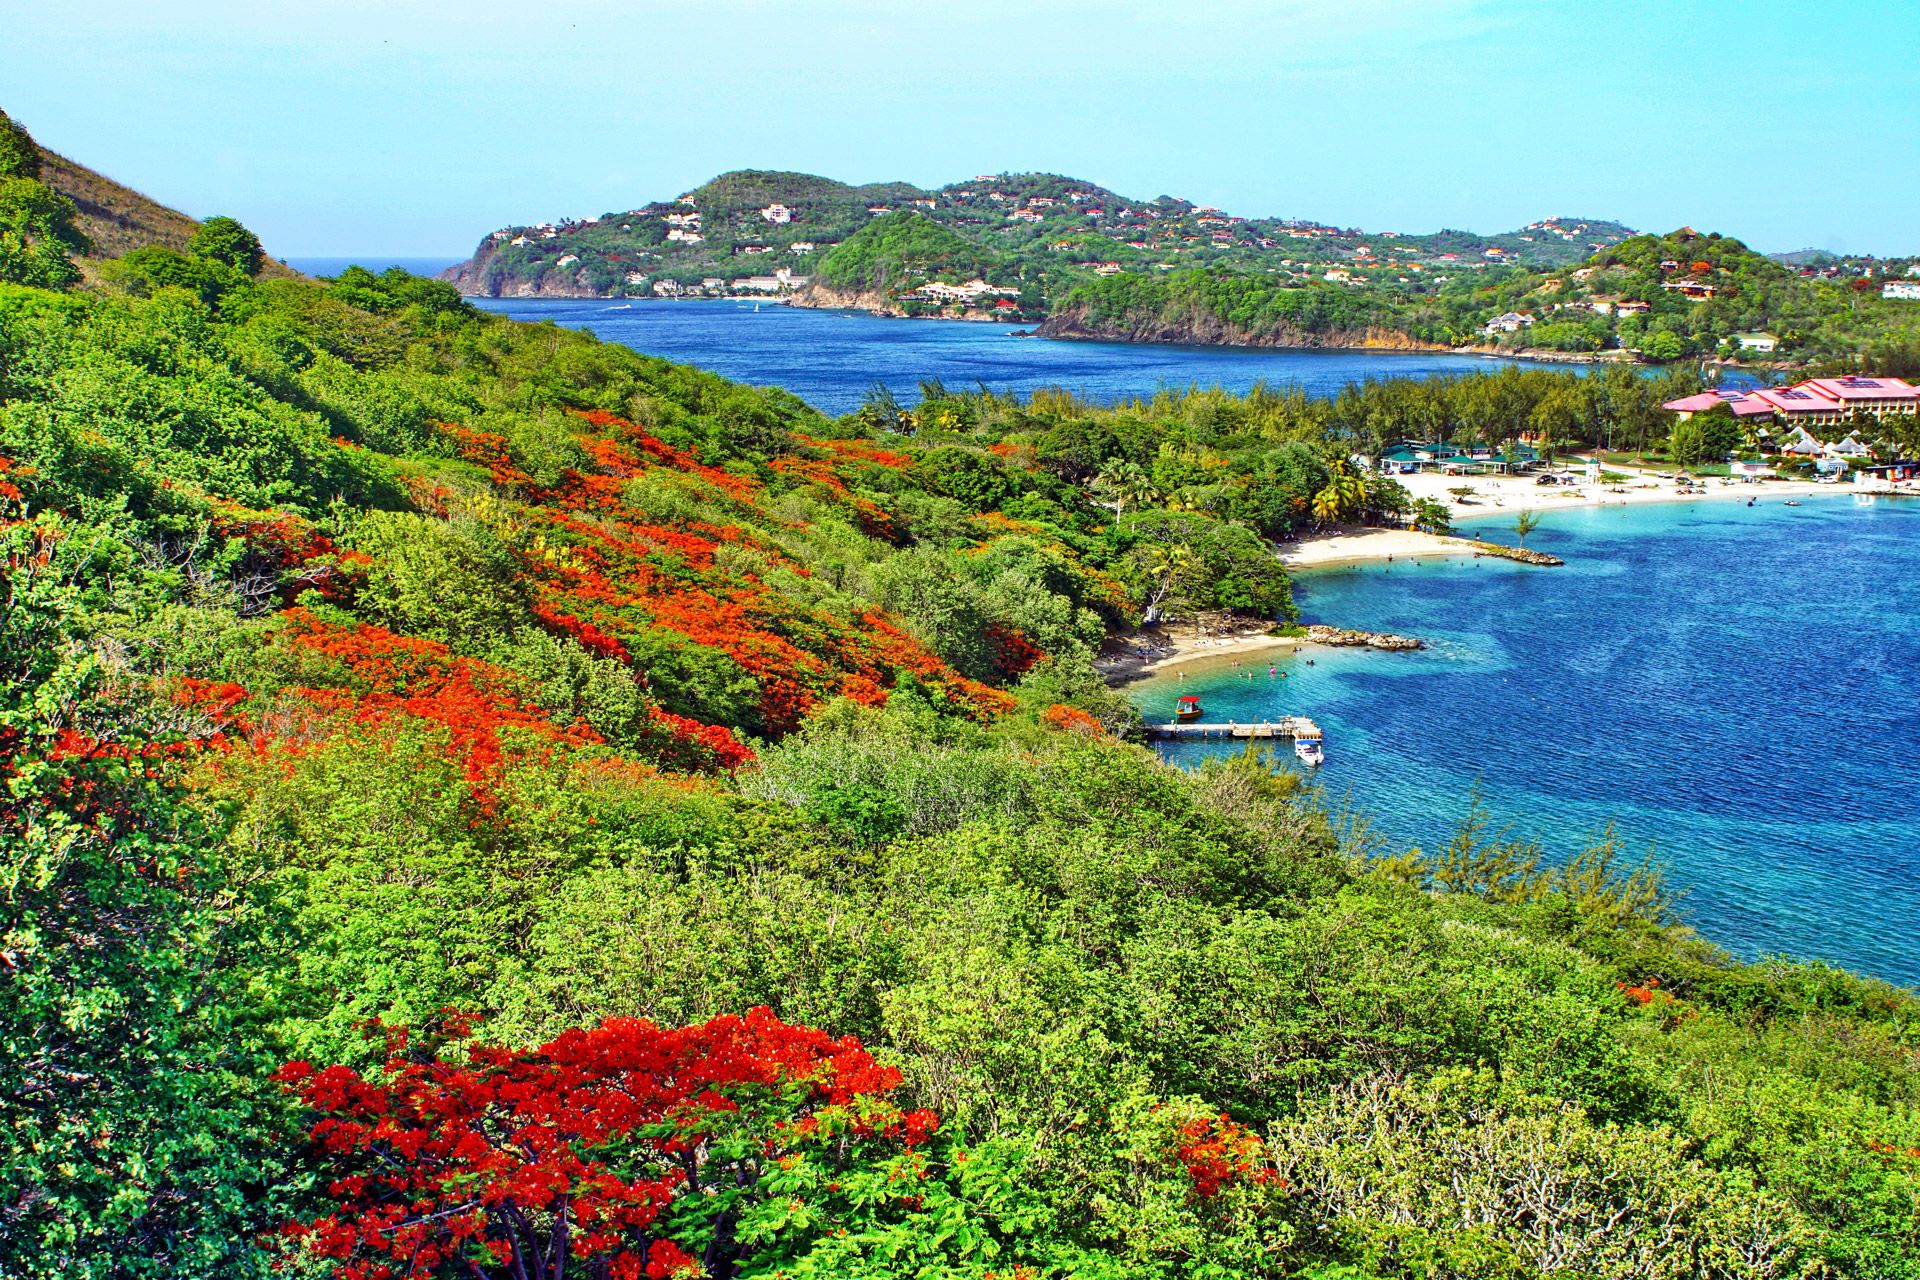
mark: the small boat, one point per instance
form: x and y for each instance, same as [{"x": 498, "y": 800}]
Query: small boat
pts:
[
  {"x": 1188, "y": 711},
  {"x": 1791, "y": 502},
  {"x": 1310, "y": 750}
]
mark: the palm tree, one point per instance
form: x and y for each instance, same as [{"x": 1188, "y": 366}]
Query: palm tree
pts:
[
  {"x": 1127, "y": 481},
  {"x": 1525, "y": 523}
]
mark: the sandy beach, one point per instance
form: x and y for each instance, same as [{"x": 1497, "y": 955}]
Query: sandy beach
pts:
[
  {"x": 1510, "y": 495},
  {"x": 1162, "y": 651}
]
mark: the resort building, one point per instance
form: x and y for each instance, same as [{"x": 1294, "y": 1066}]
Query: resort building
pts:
[{"x": 1815, "y": 402}]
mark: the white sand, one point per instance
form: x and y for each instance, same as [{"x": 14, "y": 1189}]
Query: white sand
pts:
[{"x": 1494, "y": 495}]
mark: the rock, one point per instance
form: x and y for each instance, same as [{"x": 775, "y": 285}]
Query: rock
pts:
[{"x": 1343, "y": 638}]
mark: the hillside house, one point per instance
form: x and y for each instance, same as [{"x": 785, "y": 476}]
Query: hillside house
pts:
[
  {"x": 1509, "y": 322},
  {"x": 800, "y": 246},
  {"x": 1903, "y": 290},
  {"x": 777, "y": 214},
  {"x": 1756, "y": 341},
  {"x": 1691, "y": 290},
  {"x": 1632, "y": 308}
]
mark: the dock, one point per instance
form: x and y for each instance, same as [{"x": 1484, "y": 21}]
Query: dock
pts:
[{"x": 1286, "y": 727}]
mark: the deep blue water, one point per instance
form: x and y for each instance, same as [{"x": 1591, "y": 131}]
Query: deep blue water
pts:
[
  {"x": 831, "y": 358},
  {"x": 1737, "y": 688}
]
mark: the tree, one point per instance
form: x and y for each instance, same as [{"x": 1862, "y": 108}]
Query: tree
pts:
[
  {"x": 37, "y": 233},
  {"x": 1686, "y": 442},
  {"x": 19, "y": 154},
  {"x": 1128, "y": 482},
  {"x": 1525, "y": 523},
  {"x": 621, "y": 1150},
  {"x": 1663, "y": 344},
  {"x": 224, "y": 240}
]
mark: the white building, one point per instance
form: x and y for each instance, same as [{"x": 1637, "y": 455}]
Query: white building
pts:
[
  {"x": 1906, "y": 290},
  {"x": 1756, "y": 341},
  {"x": 1511, "y": 322},
  {"x": 777, "y": 213},
  {"x": 568, "y": 260},
  {"x": 801, "y": 246},
  {"x": 684, "y": 236}
]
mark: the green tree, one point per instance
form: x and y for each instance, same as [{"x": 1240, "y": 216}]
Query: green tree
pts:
[
  {"x": 37, "y": 233},
  {"x": 1525, "y": 523},
  {"x": 224, "y": 240},
  {"x": 19, "y": 155}
]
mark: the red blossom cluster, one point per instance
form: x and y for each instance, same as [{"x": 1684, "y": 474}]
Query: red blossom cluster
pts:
[
  {"x": 1013, "y": 654},
  {"x": 1642, "y": 994},
  {"x": 603, "y": 571},
  {"x": 1218, "y": 1151},
  {"x": 293, "y": 551},
  {"x": 859, "y": 451},
  {"x": 571, "y": 1157},
  {"x": 1071, "y": 720}
]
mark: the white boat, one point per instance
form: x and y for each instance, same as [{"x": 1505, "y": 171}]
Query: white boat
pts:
[{"x": 1310, "y": 751}]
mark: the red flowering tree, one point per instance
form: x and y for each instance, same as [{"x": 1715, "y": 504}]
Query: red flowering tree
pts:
[{"x": 622, "y": 1151}]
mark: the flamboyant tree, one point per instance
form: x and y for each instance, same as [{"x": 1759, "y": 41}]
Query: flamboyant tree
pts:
[{"x": 616, "y": 1152}]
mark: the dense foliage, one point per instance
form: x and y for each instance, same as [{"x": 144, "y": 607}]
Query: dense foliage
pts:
[{"x": 368, "y": 658}]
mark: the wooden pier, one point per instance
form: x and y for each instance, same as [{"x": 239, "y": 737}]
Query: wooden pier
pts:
[{"x": 1286, "y": 727}]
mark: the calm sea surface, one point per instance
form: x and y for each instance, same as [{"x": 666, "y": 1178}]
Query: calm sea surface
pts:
[
  {"x": 1735, "y": 688},
  {"x": 831, "y": 358}
]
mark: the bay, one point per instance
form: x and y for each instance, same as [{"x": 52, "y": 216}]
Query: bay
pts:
[
  {"x": 1732, "y": 687},
  {"x": 831, "y": 358}
]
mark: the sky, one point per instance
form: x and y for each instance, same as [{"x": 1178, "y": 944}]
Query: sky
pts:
[{"x": 414, "y": 127}]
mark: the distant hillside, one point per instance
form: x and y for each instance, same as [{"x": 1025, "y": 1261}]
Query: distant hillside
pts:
[{"x": 764, "y": 231}]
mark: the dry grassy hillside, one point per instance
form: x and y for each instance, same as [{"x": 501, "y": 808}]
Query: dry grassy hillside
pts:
[{"x": 117, "y": 218}]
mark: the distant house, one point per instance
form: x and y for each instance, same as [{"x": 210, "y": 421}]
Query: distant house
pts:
[
  {"x": 520, "y": 240},
  {"x": 1510, "y": 322},
  {"x": 1691, "y": 290},
  {"x": 801, "y": 246},
  {"x": 1632, "y": 308},
  {"x": 777, "y": 213},
  {"x": 1107, "y": 269},
  {"x": 1756, "y": 341},
  {"x": 1904, "y": 290},
  {"x": 568, "y": 260}
]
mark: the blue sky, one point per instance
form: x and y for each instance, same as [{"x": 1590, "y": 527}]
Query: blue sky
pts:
[{"x": 397, "y": 127}]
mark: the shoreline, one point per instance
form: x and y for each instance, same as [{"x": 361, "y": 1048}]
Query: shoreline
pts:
[
  {"x": 1153, "y": 655},
  {"x": 1355, "y": 544}
]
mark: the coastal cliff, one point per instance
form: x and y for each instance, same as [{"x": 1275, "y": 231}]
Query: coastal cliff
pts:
[
  {"x": 1193, "y": 327},
  {"x": 482, "y": 277}
]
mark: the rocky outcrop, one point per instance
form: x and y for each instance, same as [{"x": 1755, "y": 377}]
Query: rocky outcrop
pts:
[
  {"x": 1523, "y": 554},
  {"x": 478, "y": 278},
  {"x": 874, "y": 302},
  {"x": 1343, "y": 638},
  {"x": 1204, "y": 329}
]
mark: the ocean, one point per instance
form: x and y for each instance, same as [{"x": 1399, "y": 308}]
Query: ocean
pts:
[
  {"x": 832, "y": 358},
  {"x": 1732, "y": 687}
]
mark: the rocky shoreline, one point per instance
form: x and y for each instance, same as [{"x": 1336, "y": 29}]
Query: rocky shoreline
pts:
[{"x": 1346, "y": 638}]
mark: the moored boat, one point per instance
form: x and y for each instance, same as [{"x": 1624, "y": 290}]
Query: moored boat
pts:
[
  {"x": 1310, "y": 749},
  {"x": 1188, "y": 711}
]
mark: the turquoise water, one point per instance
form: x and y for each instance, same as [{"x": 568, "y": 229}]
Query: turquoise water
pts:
[
  {"x": 1737, "y": 689},
  {"x": 831, "y": 358}
]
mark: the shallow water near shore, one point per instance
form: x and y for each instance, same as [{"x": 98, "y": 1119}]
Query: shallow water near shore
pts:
[
  {"x": 831, "y": 358},
  {"x": 1734, "y": 687}
]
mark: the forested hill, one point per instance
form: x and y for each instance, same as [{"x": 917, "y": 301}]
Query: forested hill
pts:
[
  {"x": 1037, "y": 230},
  {"x": 476, "y": 797},
  {"x": 1671, "y": 297}
]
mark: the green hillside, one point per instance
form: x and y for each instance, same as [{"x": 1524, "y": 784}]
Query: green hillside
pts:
[{"x": 478, "y": 798}]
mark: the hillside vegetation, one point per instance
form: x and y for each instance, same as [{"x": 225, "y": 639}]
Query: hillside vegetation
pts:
[{"x": 483, "y": 802}]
